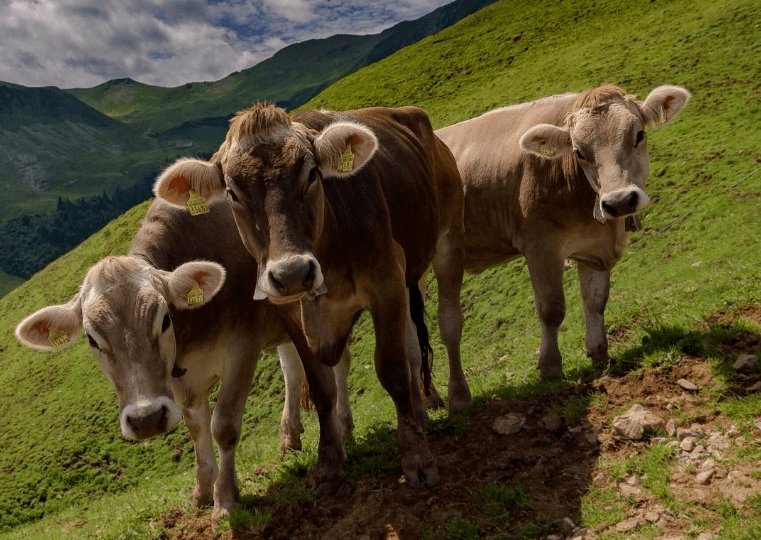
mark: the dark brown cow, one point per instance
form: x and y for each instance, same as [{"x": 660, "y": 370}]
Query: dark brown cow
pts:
[
  {"x": 344, "y": 212},
  {"x": 143, "y": 328},
  {"x": 559, "y": 178}
]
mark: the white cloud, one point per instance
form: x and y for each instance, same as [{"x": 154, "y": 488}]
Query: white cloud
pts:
[{"x": 82, "y": 43}]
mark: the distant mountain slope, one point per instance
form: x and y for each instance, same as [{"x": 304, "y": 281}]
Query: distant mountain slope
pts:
[
  {"x": 54, "y": 144},
  {"x": 291, "y": 77}
]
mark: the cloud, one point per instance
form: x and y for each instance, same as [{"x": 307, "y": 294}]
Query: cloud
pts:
[{"x": 82, "y": 43}]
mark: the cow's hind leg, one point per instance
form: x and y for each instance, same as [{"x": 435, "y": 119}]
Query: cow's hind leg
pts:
[
  {"x": 290, "y": 422},
  {"x": 595, "y": 286},
  {"x": 546, "y": 270},
  {"x": 448, "y": 267},
  {"x": 391, "y": 322}
]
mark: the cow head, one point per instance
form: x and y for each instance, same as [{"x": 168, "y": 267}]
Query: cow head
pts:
[
  {"x": 605, "y": 135},
  {"x": 123, "y": 307},
  {"x": 271, "y": 170}
]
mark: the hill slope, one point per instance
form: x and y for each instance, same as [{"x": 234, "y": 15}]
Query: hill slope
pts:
[
  {"x": 56, "y": 145},
  {"x": 697, "y": 258}
]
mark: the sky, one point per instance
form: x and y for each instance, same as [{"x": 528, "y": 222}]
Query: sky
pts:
[{"x": 83, "y": 43}]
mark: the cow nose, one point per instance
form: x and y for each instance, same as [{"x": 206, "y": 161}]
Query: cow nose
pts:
[
  {"x": 622, "y": 203},
  {"x": 147, "y": 425},
  {"x": 293, "y": 276}
]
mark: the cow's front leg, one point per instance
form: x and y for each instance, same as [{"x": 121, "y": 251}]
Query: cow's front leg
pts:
[
  {"x": 390, "y": 318},
  {"x": 329, "y": 474},
  {"x": 225, "y": 427},
  {"x": 595, "y": 286},
  {"x": 546, "y": 270},
  {"x": 198, "y": 421},
  {"x": 343, "y": 410},
  {"x": 293, "y": 374}
]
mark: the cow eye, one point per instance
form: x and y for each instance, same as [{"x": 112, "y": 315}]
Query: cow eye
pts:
[
  {"x": 578, "y": 154},
  {"x": 232, "y": 195},
  {"x": 93, "y": 343},
  {"x": 312, "y": 176},
  {"x": 640, "y": 137},
  {"x": 166, "y": 323}
]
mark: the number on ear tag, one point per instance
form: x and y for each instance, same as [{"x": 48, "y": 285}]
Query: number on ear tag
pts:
[
  {"x": 197, "y": 204},
  {"x": 57, "y": 338},
  {"x": 547, "y": 150},
  {"x": 346, "y": 163},
  {"x": 195, "y": 296}
]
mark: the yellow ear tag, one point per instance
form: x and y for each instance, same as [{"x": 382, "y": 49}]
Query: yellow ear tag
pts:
[
  {"x": 195, "y": 296},
  {"x": 346, "y": 163},
  {"x": 197, "y": 204},
  {"x": 57, "y": 338},
  {"x": 547, "y": 150}
]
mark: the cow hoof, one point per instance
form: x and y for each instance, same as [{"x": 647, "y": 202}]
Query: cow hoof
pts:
[
  {"x": 217, "y": 515},
  {"x": 423, "y": 472},
  {"x": 327, "y": 488},
  {"x": 202, "y": 499},
  {"x": 551, "y": 374}
]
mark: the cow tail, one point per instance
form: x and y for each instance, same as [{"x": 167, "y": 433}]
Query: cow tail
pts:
[{"x": 417, "y": 310}]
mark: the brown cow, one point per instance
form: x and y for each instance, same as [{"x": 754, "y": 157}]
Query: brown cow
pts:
[
  {"x": 146, "y": 331},
  {"x": 343, "y": 211},
  {"x": 560, "y": 177}
]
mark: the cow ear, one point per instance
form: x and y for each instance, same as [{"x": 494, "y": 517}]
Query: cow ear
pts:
[
  {"x": 185, "y": 175},
  {"x": 343, "y": 148},
  {"x": 195, "y": 283},
  {"x": 547, "y": 141},
  {"x": 51, "y": 327},
  {"x": 663, "y": 104}
]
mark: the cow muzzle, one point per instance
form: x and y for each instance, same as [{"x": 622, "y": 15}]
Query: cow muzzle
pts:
[
  {"x": 288, "y": 280},
  {"x": 147, "y": 418},
  {"x": 622, "y": 202}
]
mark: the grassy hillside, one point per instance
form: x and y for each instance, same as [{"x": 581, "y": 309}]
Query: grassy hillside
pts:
[{"x": 698, "y": 255}]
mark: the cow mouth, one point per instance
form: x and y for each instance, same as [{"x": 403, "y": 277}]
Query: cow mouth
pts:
[{"x": 280, "y": 300}]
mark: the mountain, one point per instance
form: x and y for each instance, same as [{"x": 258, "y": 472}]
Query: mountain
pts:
[
  {"x": 289, "y": 78},
  {"x": 56, "y": 145}
]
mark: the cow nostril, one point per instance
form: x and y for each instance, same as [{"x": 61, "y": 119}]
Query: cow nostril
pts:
[
  {"x": 277, "y": 282},
  {"x": 310, "y": 275},
  {"x": 151, "y": 423},
  {"x": 633, "y": 200}
]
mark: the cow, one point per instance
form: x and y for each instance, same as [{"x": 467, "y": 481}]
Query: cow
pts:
[
  {"x": 344, "y": 212},
  {"x": 170, "y": 319},
  {"x": 559, "y": 178}
]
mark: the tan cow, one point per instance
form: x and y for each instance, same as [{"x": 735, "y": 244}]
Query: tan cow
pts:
[
  {"x": 165, "y": 323},
  {"x": 557, "y": 178},
  {"x": 344, "y": 212}
]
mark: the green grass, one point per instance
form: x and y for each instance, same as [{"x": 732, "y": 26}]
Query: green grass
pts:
[{"x": 698, "y": 255}]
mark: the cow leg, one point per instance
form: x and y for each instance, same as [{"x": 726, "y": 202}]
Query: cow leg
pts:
[
  {"x": 329, "y": 473},
  {"x": 290, "y": 422},
  {"x": 225, "y": 427},
  {"x": 448, "y": 267},
  {"x": 198, "y": 421},
  {"x": 390, "y": 315},
  {"x": 546, "y": 270},
  {"x": 341, "y": 374},
  {"x": 595, "y": 286},
  {"x": 415, "y": 358}
]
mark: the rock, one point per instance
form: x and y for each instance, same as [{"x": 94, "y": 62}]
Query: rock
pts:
[
  {"x": 587, "y": 433},
  {"x": 671, "y": 428},
  {"x": 626, "y": 489},
  {"x": 687, "y": 385},
  {"x": 705, "y": 477},
  {"x": 580, "y": 533},
  {"x": 627, "y": 525},
  {"x": 634, "y": 423},
  {"x": 552, "y": 422},
  {"x": 652, "y": 517},
  {"x": 745, "y": 363},
  {"x": 567, "y": 523},
  {"x": 509, "y": 424},
  {"x": 705, "y": 536},
  {"x": 688, "y": 444}
]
